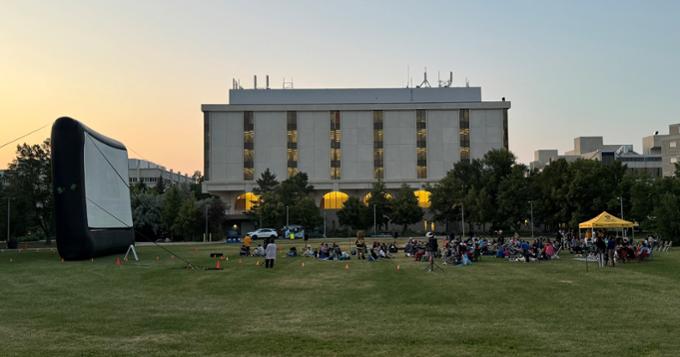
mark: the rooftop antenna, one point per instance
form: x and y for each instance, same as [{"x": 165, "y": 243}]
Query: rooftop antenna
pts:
[
  {"x": 467, "y": 82},
  {"x": 267, "y": 81},
  {"x": 287, "y": 85},
  {"x": 425, "y": 83},
  {"x": 408, "y": 75},
  {"x": 255, "y": 81},
  {"x": 439, "y": 79},
  {"x": 446, "y": 84}
]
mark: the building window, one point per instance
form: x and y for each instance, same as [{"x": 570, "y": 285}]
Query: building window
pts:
[
  {"x": 421, "y": 144},
  {"x": 292, "y": 143},
  {"x": 464, "y": 126},
  {"x": 248, "y": 146},
  {"x": 336, "y": 151},
  {"x": 378, "y": 150},
  {"x": 506, "y": 143},
  {"x": 673, "y": 144}
]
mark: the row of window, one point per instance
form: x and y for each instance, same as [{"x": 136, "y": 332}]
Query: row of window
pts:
[{"x": 335, "y": 136}]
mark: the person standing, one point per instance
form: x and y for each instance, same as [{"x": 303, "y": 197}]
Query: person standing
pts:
[
  {"x": 270, "y": 254},
  {"x": 611, "y": 251},
  {"x": 360, "y": 245}
]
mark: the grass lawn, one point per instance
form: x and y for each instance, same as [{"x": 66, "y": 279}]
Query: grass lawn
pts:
[{"x": 156, "y": 307}]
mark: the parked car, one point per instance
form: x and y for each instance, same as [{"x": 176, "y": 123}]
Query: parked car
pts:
[{"x": 263, "y": 233}]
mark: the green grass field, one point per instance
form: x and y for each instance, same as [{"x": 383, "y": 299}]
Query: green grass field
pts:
[{"x": 157, "y": 307}]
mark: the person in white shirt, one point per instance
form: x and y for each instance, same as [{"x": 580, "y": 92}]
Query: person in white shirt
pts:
[{"x": 270, "y": 254}]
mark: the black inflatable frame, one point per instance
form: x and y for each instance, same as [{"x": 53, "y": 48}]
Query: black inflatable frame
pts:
[{"x": 75, "y": 239}]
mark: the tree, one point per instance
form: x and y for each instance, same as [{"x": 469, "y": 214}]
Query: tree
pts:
[
  {"x": 666, "y": 215},
  {"x": 172, "y": 202},
  {"x": 450, "y": 193},
  {"x": 187, "y": 224},
  {"x": 355, "y": 214},
  {"x": 305, "y": 213},
  {"x": 146, "y": 213},
  {"x": 266, "y": 183},
  {"x": 405, "y": 209},
  {"x": 29, "y": 180},
  {"x": 379, "y": 204},
  {"x": 216, "y": 215}
]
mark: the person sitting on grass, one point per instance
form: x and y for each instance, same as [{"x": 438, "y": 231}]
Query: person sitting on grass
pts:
[
  {"x": 259, "y": 251},
  {"x": 309, "y": 252},
  {"x": 393, "y": 248},
  {"x": 324, "y": 251},
  {"x": 292, "y": 252},
  {"x": 409, "y": 248}
]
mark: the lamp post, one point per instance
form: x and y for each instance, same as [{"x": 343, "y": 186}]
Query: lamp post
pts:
[
  {"x": 623, "y": 230},
  {"x": 375, "y": 225},
  {"x": 206, "y": 223},
  {"x": 462, "y": 219},
  {"x": 8, "y": 215},
  {"x": 531, "y": 209}
]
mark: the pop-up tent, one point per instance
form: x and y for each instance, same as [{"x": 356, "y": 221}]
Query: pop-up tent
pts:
[{"x": 605, "y": 220}]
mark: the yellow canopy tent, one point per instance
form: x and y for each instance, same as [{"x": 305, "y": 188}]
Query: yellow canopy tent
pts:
[{"x": 606, "y": 220}]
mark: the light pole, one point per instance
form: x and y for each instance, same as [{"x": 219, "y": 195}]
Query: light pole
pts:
[
  {"x": 206, "y": 223},
  {"x": 8, "y": 215},
  {"x": 623, "y": 230},
  {"x": 375, "y": 225},
  {"x": 462, "y": 219},
  {"x": 531, "y": 209}
]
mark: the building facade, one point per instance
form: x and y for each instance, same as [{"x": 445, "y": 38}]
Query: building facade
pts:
[
  {"x": 150, "y": 174},
  {"x": 345, "y": 139},
  {"x": 665, "y": 145},
  {"x": 594, "y": 148}
]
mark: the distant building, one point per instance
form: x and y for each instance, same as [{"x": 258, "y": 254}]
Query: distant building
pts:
[
  {"x": 593, "y": 148},
  {"x": 150, "y": 173},
  {"x": 667, "y": 145}
]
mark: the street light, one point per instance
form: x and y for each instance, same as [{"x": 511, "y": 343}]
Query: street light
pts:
[
  {"x": 623, "y": 231},
  {"x": 531, "y": 208}
]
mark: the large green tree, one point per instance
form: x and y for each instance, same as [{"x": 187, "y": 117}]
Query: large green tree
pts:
[
  {"x": 355, "y": 214},
  {"x": 405, "y": 209},
  {"x": 379, "y": 204},
  {"x": 29, "y": 188}
]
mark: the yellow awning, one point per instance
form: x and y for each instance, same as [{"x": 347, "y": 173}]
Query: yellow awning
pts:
[{"x": 606, "y": 220}]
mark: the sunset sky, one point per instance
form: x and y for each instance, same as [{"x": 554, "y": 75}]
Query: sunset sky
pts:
[{"x": 138, "y": 71}]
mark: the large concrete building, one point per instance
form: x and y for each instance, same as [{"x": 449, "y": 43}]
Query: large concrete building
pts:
[
  {"x": 665, "y": 145},
  {"x": 149, "y": 173},
  {"x": 594, "y": 148},
  {"x": 346, "y": 139}
]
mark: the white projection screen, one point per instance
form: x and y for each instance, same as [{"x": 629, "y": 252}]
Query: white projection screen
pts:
[{"x": 106, "y": 192}]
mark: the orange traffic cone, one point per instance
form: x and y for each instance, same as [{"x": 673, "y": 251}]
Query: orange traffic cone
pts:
[
  {"x": 118, "y": 262},
  {"x": 218, "y": 266},
  {"x": 257, "y": 263},
  {"x": 62, "y": 260},
  {"x": 398, "y": 267},
  {"x": 226, "y": 258},
  {"x": 347, "y": 266},
  {"x": 302, "y": 264}
]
